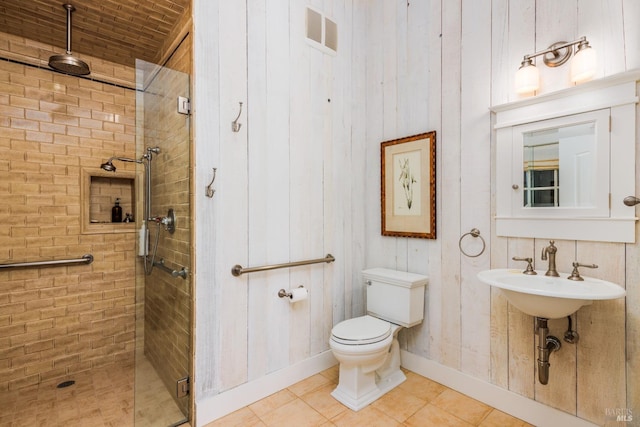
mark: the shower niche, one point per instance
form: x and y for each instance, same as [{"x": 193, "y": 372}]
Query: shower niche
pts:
[{"x": 99, "y": 191}]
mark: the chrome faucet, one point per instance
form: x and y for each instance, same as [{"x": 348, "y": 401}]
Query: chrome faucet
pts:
[{"x": 551, "y": 252}]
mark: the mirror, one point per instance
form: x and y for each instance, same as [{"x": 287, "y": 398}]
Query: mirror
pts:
[
  {"x": 565, "y": 166},
  {"x": 557, "y": 166},
  {"x": 565, "y": 161}
]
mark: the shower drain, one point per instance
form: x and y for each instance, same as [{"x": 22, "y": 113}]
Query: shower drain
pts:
[{"x": 66, "y": 384}]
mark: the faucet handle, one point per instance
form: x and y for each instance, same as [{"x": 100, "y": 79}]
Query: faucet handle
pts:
[
  {"x": 529, "y": 269},
  {"x": 575, "y": 274}
]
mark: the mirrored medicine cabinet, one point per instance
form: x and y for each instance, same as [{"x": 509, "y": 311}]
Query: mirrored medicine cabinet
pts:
[{"x": 566, "y": 160}]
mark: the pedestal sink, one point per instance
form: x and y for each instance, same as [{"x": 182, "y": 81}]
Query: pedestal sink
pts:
[{"x": 549, "y": 297}]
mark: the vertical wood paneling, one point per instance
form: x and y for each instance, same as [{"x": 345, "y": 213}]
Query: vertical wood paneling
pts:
[
  {"x": 390, "y": 85},
  {"x": 232, "y": 183},
  {"x": 601, "y": 22},
  {"x": 259, "y": 303},
  {"x": 632, "y": 271},
  {"x": 631, "y": 33},
  {"x": 521, "y": 338},
  {"x": 379, "y": 251},
  {"x": 390, "y": 88},
  {"x": 206, "y": 296},
  {"x": 521, "y": 41},
  {"x": 321, "y": 310},
  {"x": 434, "y": 105},
  {"x": 268, "y": 124},
  {"x": 415, "y": 119},
  {"x": 402, "y": 101},
  {"x": 450, "y": 183},
  {"x": 502, "y": 64},
  {"x": 336, "y": 193},
  {"x": 500, "y": 72},
  {"x": 601, "y": 351},
  {"x": 499, "y": 334},
  {"x": 475, "y": 186},
  {"x": 305, "y": 180},
  {"x": 360, "y": 189}
]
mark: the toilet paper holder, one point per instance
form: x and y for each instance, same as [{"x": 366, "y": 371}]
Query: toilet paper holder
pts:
[{"x": 282, "y": 293}]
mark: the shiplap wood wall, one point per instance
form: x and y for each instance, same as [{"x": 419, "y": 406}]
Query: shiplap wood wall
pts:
[
  {"x": 301, "y": 179},
  {"x": 286, "y": 185}
]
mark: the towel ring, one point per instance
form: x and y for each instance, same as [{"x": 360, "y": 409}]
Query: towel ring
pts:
[{"x": 473, "y": 233}]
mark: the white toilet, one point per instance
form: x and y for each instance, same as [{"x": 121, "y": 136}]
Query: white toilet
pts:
[{"x": 367, "y": 347}]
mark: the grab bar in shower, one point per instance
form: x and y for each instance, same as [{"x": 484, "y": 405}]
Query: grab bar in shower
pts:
[
  {"x": 175, "y": 273},
  {"x": 86, "y": 259},
  {"x": 237, "y": 270}
]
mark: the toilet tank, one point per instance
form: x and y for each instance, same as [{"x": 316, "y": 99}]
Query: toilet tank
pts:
[{"x": 395, "y": 296}]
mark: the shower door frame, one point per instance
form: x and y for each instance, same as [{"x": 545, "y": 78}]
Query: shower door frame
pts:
[{"x": 165, "y": 344}]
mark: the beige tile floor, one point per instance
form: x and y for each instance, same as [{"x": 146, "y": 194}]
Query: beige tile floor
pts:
[
  {"x": 418, "y": 402},
  {"x": 102, "y": 397}
]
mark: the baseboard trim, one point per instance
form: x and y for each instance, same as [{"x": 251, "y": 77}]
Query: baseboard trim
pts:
[
  {"x": 506, "y": 401},
  {"x": 214, "y": 407}
]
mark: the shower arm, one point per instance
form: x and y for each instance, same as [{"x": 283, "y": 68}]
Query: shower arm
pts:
[
  {"x": 124, "y": 159},
  {"x": 147, "y": 169},
  {"x": 147, "y": 179}
]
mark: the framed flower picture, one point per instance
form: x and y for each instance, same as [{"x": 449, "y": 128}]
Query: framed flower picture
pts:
[{"x": 408, "y": 195}]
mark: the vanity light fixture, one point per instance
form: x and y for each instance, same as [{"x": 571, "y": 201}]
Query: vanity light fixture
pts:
[{"x": 583, "y": 66}]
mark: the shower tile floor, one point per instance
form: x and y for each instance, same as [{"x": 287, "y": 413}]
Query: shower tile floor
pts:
[
  {"x": 418, "y": 402},
  {"x": 100, "y": 397}
]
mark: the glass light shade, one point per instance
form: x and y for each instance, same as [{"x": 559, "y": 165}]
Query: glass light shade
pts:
[
  {"x": 527, "y": 79},
  {"x": 583, "y": 66}
]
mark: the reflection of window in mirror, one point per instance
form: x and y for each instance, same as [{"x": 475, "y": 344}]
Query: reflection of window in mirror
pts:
[
  {"x": 541, "y": 184},
  {"x": 560, "y": 158},
  {"x": 541, "y": 188}
]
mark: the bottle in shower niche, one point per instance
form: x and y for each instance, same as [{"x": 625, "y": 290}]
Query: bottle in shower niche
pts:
[{"x": 116, "y": 212}]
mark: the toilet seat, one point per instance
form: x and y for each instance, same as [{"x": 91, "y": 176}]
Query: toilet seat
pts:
[{"x": 361, "y": 331}]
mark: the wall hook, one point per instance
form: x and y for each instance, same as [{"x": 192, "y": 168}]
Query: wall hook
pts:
[
  {"x": 209, "y": 190},
  {"x": 235, "y": 126}
]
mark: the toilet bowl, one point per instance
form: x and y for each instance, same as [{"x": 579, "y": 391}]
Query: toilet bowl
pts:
[
  {"x": 364, "y": 346},
  {"x": 367, "y": 346}
]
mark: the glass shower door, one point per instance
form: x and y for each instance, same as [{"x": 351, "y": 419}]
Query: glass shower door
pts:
[{"x": 163, "y": 282}]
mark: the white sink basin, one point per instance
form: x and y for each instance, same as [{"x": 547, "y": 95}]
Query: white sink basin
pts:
[{"x": 549, "y": 297}]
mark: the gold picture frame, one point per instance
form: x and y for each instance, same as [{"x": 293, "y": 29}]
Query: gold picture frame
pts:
[{"x": 408, "y": 186}]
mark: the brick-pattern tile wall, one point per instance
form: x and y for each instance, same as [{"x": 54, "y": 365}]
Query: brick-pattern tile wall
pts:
[{"x": 59, "y": 320}]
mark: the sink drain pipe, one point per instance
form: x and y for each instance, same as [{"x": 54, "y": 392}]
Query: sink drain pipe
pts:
[{"x": 546, "y": 345}]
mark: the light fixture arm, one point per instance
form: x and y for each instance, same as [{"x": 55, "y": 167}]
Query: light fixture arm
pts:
[{"x": 558, "y": 58}]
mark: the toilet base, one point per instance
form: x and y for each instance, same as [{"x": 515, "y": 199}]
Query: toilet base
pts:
[{"x": 374, "y": 392}]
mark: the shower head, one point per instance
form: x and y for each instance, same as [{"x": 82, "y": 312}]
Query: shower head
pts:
[
  {"x": 67, "y": 63},
  {"x": 109, "y": 166}
]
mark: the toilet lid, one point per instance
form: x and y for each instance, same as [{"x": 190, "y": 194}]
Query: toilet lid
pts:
[{"x": 361, "y": 330}]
